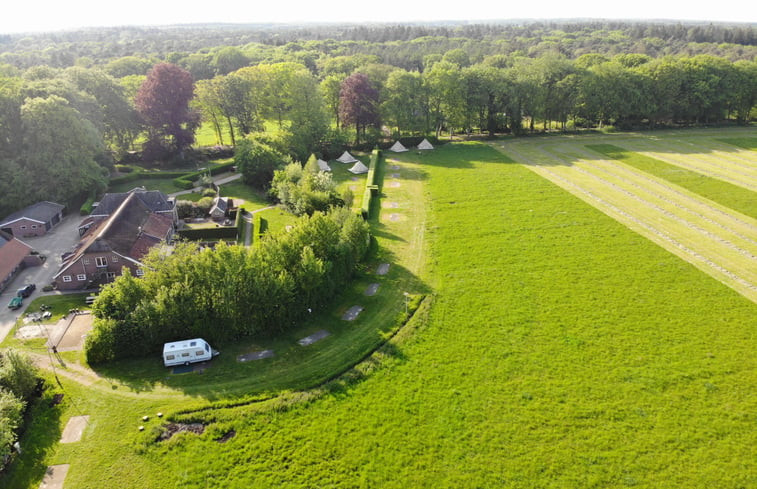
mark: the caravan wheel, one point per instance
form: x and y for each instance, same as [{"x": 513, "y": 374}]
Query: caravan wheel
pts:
[{"x": 186, "y": 364}]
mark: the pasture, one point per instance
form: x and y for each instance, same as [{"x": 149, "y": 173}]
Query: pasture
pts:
[{"x": 559, "y": 347}]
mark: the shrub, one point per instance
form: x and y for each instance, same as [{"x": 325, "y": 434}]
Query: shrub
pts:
[
  {"x": 18, "y": 374},
  {"x": 86, "y": 207},
  {"x": 11, "y": 409},
  {"x": 204, "y": 205}
]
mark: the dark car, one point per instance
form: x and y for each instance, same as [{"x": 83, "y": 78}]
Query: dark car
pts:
[{"x": 26, "y": 290}]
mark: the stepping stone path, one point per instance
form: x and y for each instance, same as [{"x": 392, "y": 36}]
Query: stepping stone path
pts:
[
  {"x": 309, "y": 340},
  {"x": 382, "y": 269},
  {"x": 352, "y": 313},
  {"x": 354, "y": 179},
  {"x": 74, "y": 429},
  {"x": 395, "y": 167},
  {"x": 395, "y": 175},
  {"x": 54, "y": 477},
  {"x": 256, "y": 355},
  {"x": 391, "y": 205},
  {"x": 372, "y": 289},
  {"x": 394, "y": 184},
  {"x": 395, "y": 217}
]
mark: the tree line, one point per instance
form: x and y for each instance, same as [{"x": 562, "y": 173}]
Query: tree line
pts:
[
  {"x": 228, "y": 292},
  {"x": 571, "y": 38},
  {"x": 62, "y": 128}
]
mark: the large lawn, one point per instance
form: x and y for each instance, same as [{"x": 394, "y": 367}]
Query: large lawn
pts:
[{"x": 560, "y": 349}]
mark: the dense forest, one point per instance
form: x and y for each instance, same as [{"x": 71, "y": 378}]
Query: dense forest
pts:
[{"x": 73, "y": 103}]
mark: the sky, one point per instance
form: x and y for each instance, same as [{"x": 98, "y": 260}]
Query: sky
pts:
[{"x": 56, "y": 15}]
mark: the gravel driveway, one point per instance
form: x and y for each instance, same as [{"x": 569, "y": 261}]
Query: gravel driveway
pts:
[{"x": 57, "y": 241}]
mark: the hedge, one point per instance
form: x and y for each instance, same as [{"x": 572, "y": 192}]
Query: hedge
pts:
[
  {"x": 221, "y": 232},
  {"x": 371, "y": 189},
  {"x": 86, "y": 207},
  {"x": 182, "y": 179}
]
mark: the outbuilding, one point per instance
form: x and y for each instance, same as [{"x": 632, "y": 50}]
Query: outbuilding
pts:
[{"x": 35, "y": 220}]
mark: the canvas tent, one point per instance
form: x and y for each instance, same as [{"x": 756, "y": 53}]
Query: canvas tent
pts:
[
  {"x": 425, "y": 145},
  {"x": 323, "y": 166},
  {"x": 346, "y": 158},
  {"x": 358, "y": 168},
  {"x": 397, "y": 147}
]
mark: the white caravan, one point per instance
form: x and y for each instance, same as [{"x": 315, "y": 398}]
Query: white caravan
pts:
[{"x": 187, "y": 351}]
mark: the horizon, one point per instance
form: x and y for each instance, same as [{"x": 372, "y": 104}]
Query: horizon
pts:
[{"x": 76, "y": 15}]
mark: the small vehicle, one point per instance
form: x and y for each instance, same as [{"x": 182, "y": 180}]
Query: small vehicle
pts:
[
  {"x": 15, "y": 303},
  {"x": 26, "y": 290},
  {"x": 187, "y": 351}
]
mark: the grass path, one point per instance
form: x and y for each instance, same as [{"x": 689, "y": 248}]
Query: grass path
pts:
[{"x": 717, "y": 240}]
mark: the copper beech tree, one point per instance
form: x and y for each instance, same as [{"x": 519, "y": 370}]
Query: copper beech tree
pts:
[{"x": 163, "y": 102}]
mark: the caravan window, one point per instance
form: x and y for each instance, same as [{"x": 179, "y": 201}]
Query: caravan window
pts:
[
  {"x": 185, "y": 354},
  {"x": 170, "y": 357},
  {"x": 207, "y": 347},
  {"x": 199, "y": 353}
]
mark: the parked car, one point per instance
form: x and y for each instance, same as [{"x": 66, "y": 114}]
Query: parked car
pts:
[
  {"x": 15, "y": 303},
  {"x": 26, "y": 290}
]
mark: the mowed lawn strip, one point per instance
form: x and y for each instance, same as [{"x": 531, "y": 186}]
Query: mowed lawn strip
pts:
[
  {"x": 562, "y": 350},
  {"x": 695, "y": 229},
  {"x": 735, "y": 167},
  {"x": 744, "y": 142},
  {"x": 732, "y": 196}
]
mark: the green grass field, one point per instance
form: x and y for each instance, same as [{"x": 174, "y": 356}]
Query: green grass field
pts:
[{"x": 557, "y": 348}]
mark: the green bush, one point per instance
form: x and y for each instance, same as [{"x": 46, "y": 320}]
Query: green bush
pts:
[
  {"x": 86, "y": 207},
  {"x": 209, "y": 192},
  {"x": 18, "y": 374},
  {"x": 11, "y": 409}
]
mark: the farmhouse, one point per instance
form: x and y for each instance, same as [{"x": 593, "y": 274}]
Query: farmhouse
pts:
[
  {"x": 108, "y": 245},
  {"x": 155, "y": 200},
  {"x": 14, "y": 256},
  {"x": 35, "y": 220}
]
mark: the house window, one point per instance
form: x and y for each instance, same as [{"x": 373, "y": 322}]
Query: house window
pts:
[
  {"x": 101, "y": 261},
  {"x": 67, "y": 278},
  {"x": 114, "y": 259},
  {"x": 22, "y": 227},
  {"x": 81, "y": 277},
  {"x": 140, "y": 272},
  {"x": 110, "y": 275},
  {"x": 86, "y": 261},
  {"x": 34, "y": 226}
]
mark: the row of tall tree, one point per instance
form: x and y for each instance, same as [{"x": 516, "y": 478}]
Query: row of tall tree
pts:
[
  {"x": 503, "y": 94},
  {"x": 58, "y": 128},
  {"x": 228, "y": 292}
]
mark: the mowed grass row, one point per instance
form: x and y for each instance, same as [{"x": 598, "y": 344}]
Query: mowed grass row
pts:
[
  {"x": 562, "y": 350},
  {"x": 736, "y": 166},
  {"x": 699, "y": 231},
  {"x": 733, "y": 196}
]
